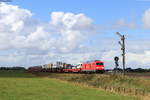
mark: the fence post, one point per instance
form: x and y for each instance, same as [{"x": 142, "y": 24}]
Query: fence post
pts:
[
  {"x": 105, "y": 87},
  {"x": 143, "y": 92},
  {"x": 135, "y": 91},
  {"x": 119, "y": 89},
  {"x": 124, "y": 90},
  {"x": 130, "y": 91}
]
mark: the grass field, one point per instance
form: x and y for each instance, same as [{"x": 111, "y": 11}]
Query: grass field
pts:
[
  {"x": 138, "y": 86},
  {"x": 133, "y": 81},
  {"x": 25, "y": 86}
]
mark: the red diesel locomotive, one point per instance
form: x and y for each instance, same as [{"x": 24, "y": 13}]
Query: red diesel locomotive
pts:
[{"x": 93, "y": 66}]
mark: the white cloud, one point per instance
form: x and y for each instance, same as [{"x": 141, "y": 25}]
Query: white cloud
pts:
[
  {"x": 146, "y": 19},
  {"x": 73, "y": 28},
  {"x": 39, "y": 39},
  {"x": 70, "y": 21},
  {"x": 121, "y": 23},
  {"x": 12, "y": 20},
  {"x": 143, "y": 58},
  {"x": 64, "y": 32},
  {"x": 12, "y": 17},
  {"x": 118, "y": 24}
]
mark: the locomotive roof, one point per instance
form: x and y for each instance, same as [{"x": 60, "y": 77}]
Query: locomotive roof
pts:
[{"x": 92, "y": 61}]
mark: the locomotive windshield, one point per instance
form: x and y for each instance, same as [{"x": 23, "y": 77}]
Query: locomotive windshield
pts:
[{"x": 99, "y": 64}]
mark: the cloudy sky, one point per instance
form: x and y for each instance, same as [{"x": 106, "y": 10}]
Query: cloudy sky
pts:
[{"x": 34, "y": 32}]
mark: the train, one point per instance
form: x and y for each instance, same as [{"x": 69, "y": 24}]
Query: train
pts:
[{"x": 95, "y": 66}]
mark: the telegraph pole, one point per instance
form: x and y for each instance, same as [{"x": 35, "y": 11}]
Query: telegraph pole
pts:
[{"x": 122, "y": 44}]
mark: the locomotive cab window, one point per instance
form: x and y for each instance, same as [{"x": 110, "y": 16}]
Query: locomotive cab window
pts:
[{"x": 99, "y": 64}]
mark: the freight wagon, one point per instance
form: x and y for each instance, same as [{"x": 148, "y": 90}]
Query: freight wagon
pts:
[{"x": 35, "y": 69}]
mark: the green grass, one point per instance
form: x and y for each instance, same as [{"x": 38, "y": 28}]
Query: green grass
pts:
[
  {"x": 25, "y": 86},
  {"x": 109, "y": 80}
]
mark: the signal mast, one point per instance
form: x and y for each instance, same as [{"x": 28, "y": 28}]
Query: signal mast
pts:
[{"x": 122, "y": 44}]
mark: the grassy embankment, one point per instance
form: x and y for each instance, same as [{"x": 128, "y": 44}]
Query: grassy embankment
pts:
[
  {"x": 133, "y": 86},
  {"x": 25, "y": 86},
  {"x": 101, "y": 79}
]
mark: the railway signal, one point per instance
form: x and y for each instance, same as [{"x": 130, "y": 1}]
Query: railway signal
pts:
[
  {"x": 116, "y": 59},
  {"x": 122, "y": 44}
]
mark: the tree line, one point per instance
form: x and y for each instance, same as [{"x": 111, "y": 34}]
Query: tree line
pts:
[
  {"x": 12, "y": 68},
  {"x": 118, "y": 69},
  {"x": 133, "y": 70}
]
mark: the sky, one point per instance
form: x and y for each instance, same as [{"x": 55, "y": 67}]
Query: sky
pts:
[{"x": 36, "y": 32}]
